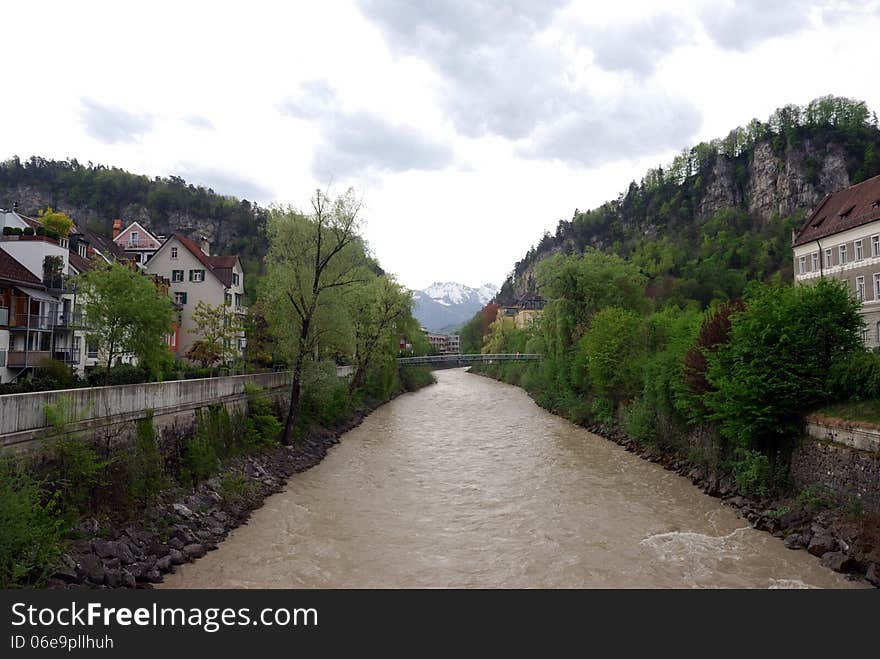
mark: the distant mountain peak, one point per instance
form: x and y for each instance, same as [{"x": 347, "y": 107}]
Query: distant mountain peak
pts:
[{"x": 447, "y": 304}]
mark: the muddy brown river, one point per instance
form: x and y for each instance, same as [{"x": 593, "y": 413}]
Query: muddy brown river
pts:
[{"x": 468, "y": 483}]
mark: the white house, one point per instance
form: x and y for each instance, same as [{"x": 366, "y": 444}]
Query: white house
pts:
[{"x": 197, "y": 276}]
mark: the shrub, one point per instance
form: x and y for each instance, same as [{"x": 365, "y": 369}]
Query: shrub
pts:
[
  {"x": 775, "y": 366},
  {"x": 7, "y": 231},
  {"x": 211, "y": 441},
  {"x": 609, "y": 357},
  {"x": 855, "y": 378},
  {"x": 28, "y": 231},
  {"x": 263, "y": 427},
  {"x": 146, "y": 468},
  {"x": 119, "y": 375},
  {"x": 40, "y": 231},
  {"x": 76, "y": 471},
  {"x": 413, "y": 378},
  {"x": 32, "y": 534},
  {"x": 234, "y": 487},
  {"x": 640, "y": 422},
  {"x": 752, "y": 473},
  {"x": 54, "y": 374}
]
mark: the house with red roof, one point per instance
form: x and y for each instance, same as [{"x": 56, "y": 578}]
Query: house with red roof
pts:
[
  {"x": 841, "y": 239},
  {"x": 195, "y": 276}
]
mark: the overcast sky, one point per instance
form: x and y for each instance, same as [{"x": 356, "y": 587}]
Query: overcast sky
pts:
[{"x": 468, "y": 127}]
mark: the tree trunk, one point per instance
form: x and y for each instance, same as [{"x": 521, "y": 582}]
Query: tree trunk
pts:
[
  {"x": 293, "y": 410},
  {"x": 296, "y": 387}
]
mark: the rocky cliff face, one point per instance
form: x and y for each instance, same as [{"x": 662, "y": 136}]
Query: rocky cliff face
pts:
[
  {"x": 766, "y": 184},
  {"x": 30, "y": 201}
]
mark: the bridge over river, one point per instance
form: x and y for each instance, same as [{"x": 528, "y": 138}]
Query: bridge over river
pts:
[
  {"x": 461, "y": 360},
  {"x": 469, "y": 483}
]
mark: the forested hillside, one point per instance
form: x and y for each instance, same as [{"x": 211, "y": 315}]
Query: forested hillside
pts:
[
  {"x": 95, "y": 195},
  {"x": 722, "y": 213}
]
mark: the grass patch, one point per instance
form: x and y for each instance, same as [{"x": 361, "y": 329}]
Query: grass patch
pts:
[{"x": 866, "y": 411}]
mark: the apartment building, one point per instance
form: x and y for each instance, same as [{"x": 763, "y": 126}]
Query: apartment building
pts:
[{"x": 841, "y": 239}]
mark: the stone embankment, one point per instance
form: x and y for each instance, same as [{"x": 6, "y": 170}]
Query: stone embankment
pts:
[
  {"x": 184, "y": 525},
  {"x": 844, "y": 543}
]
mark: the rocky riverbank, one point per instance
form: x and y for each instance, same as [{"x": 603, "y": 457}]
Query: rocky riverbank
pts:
[
  {"x": 843, "y": 542},
  {"x": 183, "y": 525}
]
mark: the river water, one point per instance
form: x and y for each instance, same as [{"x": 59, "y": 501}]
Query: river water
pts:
[{"x": 468, "y": 483}]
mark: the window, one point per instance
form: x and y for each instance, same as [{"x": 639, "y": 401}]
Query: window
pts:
[
  {"x": 82, "y": 249},
  {"x": 177, "y": 275},
  {"x": 173, "y": 252},
  {"x": 842, "y": 249},
  {"x": 802, "y": 264},
  {"x": 814, "y": 261},
  {"x": 235, "y": 279},
  {"x": 134, "y": 239},
  {"x": 829, "y": 258},
  {"x": 227, "y": 299},
  {"x": 180, "y": 298},
  {"x": 238, "y": 300},
  {"x": 860, "y": 289},
  {"x": 875, "y": 245},
  {"x": 865, "y": 335},
  {"x": 197, "y": 275},
  {"x": 877, "y": 285},
  {"x": 858, "y": 245}
]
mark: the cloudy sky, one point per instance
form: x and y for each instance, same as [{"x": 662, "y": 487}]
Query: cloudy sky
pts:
[{"x": 469, "y": 127}]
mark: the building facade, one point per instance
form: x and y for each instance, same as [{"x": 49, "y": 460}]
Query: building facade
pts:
[
  {"x": 841, "y": 239},
  {"x": 194, "y": 276},
  {"x": 137, "y": 242}
]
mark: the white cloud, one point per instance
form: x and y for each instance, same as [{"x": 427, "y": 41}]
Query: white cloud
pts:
[{"x": 469, "y": 127}]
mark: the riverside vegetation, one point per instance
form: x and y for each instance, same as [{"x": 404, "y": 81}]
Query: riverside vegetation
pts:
[
  {"x": 99, "y": 510},
  {"x": 717, "y": 394},
  {"x": 96, "y": 511}
]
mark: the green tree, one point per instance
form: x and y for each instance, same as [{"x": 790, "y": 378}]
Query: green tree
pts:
[
  {"x": 313, "y": 260},
  {"x": 218, "y": 330},
  {"x": 776, "y": 362},
  {"x": 379, "y": 310},
  {"x": 126, "y": 314},
  {"x": 610, "y": 354},
  {"x": 56, "y": 221}
]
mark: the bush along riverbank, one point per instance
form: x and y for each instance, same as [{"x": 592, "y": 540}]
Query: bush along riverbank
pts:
[
  {"x": 93, "y": 513},
  {"x": 721, "y": 391},
  {"x": 843, "y": 537}
]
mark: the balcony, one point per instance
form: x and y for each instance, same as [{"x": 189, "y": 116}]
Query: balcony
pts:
[
  {"x": 26, "y": 321},
  {"x": 241, "y": 310},
  {"x": 66, "y": 356},
  {"x": 70, "y": 320},
  {"x": 31, "y": 358}
]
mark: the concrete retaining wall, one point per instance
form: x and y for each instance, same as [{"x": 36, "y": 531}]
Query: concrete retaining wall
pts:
[
  {"x": 843, "y": 432},
  {"x": 23, "y": 418}
]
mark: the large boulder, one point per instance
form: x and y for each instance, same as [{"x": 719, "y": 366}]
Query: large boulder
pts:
[
  {"x": 822, "y": 543},
  {"x": 839, "y": 562},
  {"x": 114, "y": 549}
]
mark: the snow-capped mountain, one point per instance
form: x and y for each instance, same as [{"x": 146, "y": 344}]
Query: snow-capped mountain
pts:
[{"x": 444, "y": 306}]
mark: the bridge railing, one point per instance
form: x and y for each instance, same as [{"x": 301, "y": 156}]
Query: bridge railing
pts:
[{"x": 445, "y": 359}]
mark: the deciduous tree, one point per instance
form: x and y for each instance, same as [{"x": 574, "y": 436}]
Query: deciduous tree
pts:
[
  {"x": 126, "y": 314},
  {"x": 313, "y": 260}
]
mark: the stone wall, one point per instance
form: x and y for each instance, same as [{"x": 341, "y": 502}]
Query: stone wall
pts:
[
  {"x": 110, "y": 410},
  {"x": 852, "y": 474}
]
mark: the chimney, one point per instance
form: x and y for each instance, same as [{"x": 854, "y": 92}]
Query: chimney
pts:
[
  {"x": 117, "y": 227},
  {"x": 205, "y": 245}
]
